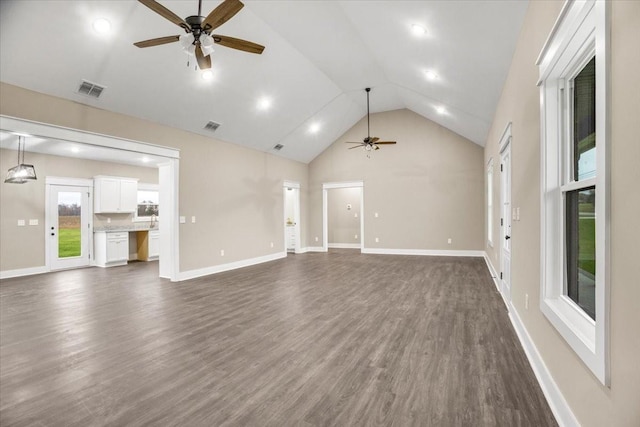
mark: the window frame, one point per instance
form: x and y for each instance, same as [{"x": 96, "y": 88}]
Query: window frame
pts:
[
  {"x": 489, "y": 212},
  {"x": 581, "y": 32},
  {"x": 146, "y": 187}
]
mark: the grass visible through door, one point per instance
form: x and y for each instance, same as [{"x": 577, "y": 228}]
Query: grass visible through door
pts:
[{"x": 69, "y": 235}]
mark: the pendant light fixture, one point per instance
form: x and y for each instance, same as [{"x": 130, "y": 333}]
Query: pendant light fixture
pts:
[{"x": 22, "y": 172}]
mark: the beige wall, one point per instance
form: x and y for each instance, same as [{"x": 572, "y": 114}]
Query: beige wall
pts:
[
  {"x": 343, "y": 224},
  {"x": 592, "y": 404},
  {"x": 24, "y": 247},
  {"x": 426, "y": 189},
  {"x": 235, "y": 193}
]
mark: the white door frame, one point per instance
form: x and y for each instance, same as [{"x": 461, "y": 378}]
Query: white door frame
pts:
[
  {"x": 296, "y": 212},
  {"x": 325, "y": 210},
  {"x": 67, "y": 182},
  {"x": 506, "y": 216},
  {"x": 168, "y": 177}
]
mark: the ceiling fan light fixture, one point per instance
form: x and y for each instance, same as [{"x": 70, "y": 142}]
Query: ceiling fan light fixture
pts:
[
  {"x": 186, "y": 41},
  {"x": 418, "y": 30},
  {"x": 101, "y": 26},
  {"x": 431, "y": 75},
  {"x": 206, "y": 44}
]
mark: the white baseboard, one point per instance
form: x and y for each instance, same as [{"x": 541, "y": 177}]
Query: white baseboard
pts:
[
  {"x": 492, "y": 271},
  {"x": 423, "y": 252},
  {"x": 344, "y": 245},
  {"x": 315, "y": 249},
  {"x": 557, "y": 403},
  {"x": 192, "y": 274},
  {"x": 7, "y": 274}
]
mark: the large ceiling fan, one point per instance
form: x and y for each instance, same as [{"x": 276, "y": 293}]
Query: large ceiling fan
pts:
[
  {"x": 198, "y": 39},
  {"x": 369, "y": 143}
]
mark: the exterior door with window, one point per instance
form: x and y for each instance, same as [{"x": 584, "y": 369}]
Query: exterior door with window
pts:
[
  {"x": 68, "y": 227},
  {"x": 505, "y": 196}
]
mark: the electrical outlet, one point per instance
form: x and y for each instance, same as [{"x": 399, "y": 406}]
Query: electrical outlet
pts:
[
  {"x": 526, "y": 301},
  {"x": 449, "y": 240},
  {"x": 221, "y": 252},
  {"x": 355, "y": 237},
  {"x": 271, "y": 244},
  {"x": 355, "y": 215},
  {"x": 375, "y": 215},
  {"x": 316, "y": 238},
  {"x": 108, "y": 220},
  {"x": 377, "y": 240}
]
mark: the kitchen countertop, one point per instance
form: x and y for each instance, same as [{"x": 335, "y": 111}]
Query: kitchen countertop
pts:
[{"x": 132, "y": 227}]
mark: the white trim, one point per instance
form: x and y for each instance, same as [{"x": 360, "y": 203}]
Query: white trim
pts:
[
  {"x": 291, "y": 184},
  {"x": 422, "y": 252},
  {"x": 72, "y": 182},
  {"x": 75, "y": 135},
  {"x": 559, "y": 406},
  {"x": 344, "y": 245},
  {"x": 505, "y": 138},
  {"x": 325, "y": 209},
  {"x": 295, "y": 186},
  {"x": 29, "y": 271},
  {"x": 192, "y": 274},
  {"x": 168, "y": 181},
  {"x": 315, "y": 249},
  {"x": 489, "y": 211},
  {"x": 584, "y": 24},
  {"x": 492, "y": 271}
]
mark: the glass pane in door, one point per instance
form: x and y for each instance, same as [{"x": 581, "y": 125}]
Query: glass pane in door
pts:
[{"x": 69, "y": 232}]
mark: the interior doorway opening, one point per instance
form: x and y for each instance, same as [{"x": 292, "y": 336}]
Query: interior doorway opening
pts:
[
  {"x": 291, "y": 217},
  {"x": 343, "y": 212}
]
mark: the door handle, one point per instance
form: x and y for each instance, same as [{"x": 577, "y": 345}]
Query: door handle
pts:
[{"x": 507, "y": 237}]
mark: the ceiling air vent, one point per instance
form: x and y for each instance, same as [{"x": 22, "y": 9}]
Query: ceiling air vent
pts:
[
  {"x": 278, "y": 147},
  {"x": 212, "y": 126},
  {"x": 90, "y": 89}
]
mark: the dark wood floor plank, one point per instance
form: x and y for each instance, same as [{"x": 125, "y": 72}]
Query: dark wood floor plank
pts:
[{"x": 335, "y": 339}]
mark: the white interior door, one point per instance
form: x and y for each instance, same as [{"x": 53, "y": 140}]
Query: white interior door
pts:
[
  {"x": 292, "y": 216},
  {"x": 505, "y": 197},
  {"x": 68, "y": 226}
]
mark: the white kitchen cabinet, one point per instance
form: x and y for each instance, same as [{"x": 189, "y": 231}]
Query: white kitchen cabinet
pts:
[
  {"x": 290, "y": 237},
  {"x": 111, "y": 248},
  {"x": 115, "y": 194},
  {"x": 154, "y": 244}
]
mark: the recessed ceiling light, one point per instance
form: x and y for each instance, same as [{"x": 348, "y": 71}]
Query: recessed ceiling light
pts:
[
  {"x": 207, "y": 75},
  {"x": 431, "y": 75},
  {"x": 441, "y": 110},
  {"x": 101, "y": 26},
  {"x": 314, "y": 128},
  {"x": 418, "y": 30},
  {"x": 75, "y": 150},
  {"x": 146, "y": 160},
  {"x": 264, "y": 103}
]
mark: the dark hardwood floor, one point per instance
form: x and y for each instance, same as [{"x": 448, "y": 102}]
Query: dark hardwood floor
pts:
[{"x": 333, "y": 339}]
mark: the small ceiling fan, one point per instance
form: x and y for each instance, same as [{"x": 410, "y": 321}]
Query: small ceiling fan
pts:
[
  {"x": 198, "y": 39},
  {"x": 369, "y": 143}
]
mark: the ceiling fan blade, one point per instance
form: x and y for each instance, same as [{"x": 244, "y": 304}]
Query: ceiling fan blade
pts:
[
  {"x": 373, "y": 139},
  {"x": 221, "y": 14},
  {"x": 204, "y": 62},
  {"x": 356, "y": 146},
  {"x": 165, "y": 13},
  {"x": 384, "y": 142},
  {"x": 158, "y": 41},
  {"x": 239, "y": 44},
  {"x": 351, "y": 142}
]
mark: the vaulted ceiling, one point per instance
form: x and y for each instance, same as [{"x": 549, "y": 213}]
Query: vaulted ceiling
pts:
[{"x": 303, "y": 92}]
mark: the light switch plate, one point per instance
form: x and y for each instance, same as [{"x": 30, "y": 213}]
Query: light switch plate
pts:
[
  {"x": 193, "y": 219},
  {"x": 21, "y": 223},
  {"x": 33, "y": 222},
  {"x": 183, "y": 220}
]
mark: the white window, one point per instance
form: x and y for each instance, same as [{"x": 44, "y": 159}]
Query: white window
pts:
[
  {"x": 573, "y": 83},
  {"x": 148, "y": 203},
  {"x": 490, "y": 203}
]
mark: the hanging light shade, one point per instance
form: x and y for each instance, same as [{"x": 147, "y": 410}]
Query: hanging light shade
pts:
[
  {"x": 186, "y": 41},
  {"x": 206, "y": 43},
  {"x": 22, "y": 172}
]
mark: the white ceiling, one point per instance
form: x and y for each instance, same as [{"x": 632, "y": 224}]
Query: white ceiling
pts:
[{"x": 319, "y": 57}]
